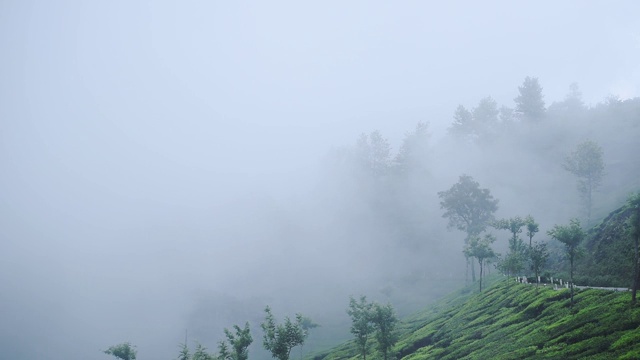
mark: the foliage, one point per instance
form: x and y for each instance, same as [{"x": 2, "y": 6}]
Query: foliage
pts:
[
  {"x": 361, "y": 326},
  {"x": 279, "y": 339},
  {"x": 514, "y": 226},
  {"x": 480, "y": 248},
  {"x": 512, "y": 263},
  {"x": 373, "y": 153},
  {"x": 587, "y": 164},
  {"x": 124, "y": 351},
  {"x": 184, "y": 352},
  {"x": 201, "y": 353},
  {"x": 517, "y": 321},
  {"x": 239, "y": 342},
  {"x": 538, "y": 254},
  {"x": 413, "y": 152},
  {"x": 571, "y": 236},
  {"x": 223, "y": 351},
  {"x": 532, "y": 227},
  {"x": 468, "y": 207},
  {"x": 529, "y": 102},
  {"x": 384, "y": 322},
  {"x": 462, "y": 126}
]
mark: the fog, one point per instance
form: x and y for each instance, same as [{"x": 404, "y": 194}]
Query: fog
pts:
[{"x": 172, "y": 167}]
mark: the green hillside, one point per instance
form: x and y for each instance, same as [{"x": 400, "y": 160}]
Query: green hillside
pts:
[{"x": 517, "y": 321}]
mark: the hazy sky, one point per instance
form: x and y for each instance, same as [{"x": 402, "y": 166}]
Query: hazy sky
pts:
[{"x": 129, "y": 130}]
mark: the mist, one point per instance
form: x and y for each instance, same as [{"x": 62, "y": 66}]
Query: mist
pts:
[{"x": 174, "y": 168}]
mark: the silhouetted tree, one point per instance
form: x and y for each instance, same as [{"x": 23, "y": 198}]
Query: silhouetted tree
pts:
[
  {"x": 485, "y": 119},
  {"x": 223, "y": 350},
  {"x": 468, "y": 208},
  {"x": 532, "y": 228},
  {"x": 571, "y": 236},
  {"x": 124, "y": 351},
  {"x": 414, "y": 149},
  {"x": 462, "y": 126},
  {"x": 279, "y": 339},
  {"x": 538, "y": 254},
  {"x": 184, "y": 352},
  {"x": 514, "y": 226},
  {"x": 239, "y": 342},
  {"x": 529, "y": 103},
  {"x": 480, "y": 248},
  {"x": 586, "y": 163},
  {"x": 361, "y": 313},
  {"x": 201, "y": 353},
  {"x": 384, "y": 322}
]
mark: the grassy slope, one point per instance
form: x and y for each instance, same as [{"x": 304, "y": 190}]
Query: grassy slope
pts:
[{"x": 514, "y": 321}]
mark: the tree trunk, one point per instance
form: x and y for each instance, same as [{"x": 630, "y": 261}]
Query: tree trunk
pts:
[
  {"x": 473, "y": 272},
  {"x": 466, "y": 271},
  {"x": 571, "y": 277},
  {"x": 589, "y": 204},
  {"x": 636, "y": 277},
  {"x": 480, "y": 263}
]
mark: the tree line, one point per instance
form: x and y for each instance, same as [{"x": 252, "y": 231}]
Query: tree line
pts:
[{"x": 369, "y": 319}]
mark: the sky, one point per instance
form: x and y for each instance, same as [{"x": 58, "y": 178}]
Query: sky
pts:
[{"x": 130, "y": 131}]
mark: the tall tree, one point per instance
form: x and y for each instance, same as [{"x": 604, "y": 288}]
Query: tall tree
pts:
[
  {"x": 480, "y": 248},
  {"x": 469, "y": 208},
  {"x": 485, "y": 119},
  {"x": 361, "y": 326},
  {"x": 239, "y": 342},
  {"x": 414, "y": 150},
  {"x": 634, "y": 231},
  {"x": 124, "y": 351},
  {"x": 514, "y": 226},
  {"x": 279, "y": 339},
  {"x": 532, "y": 228},
  {"x": 587, "y": 164},
  {"x": 462, "y": 126},
  {"x": 529, "y": 103},
  {"x": 571, "y": 236},
  {"x": 201, "y": 353},
  {"x": 380, "y": 154},
  {"x": 538, "y": 254},
  {"x": 184, "y": 352},
  {"x": 384, "y": 322}
]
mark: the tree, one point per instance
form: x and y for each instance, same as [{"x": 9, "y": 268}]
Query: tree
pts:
[
  {"x": 124, "y": 351},
  {"x": 571, "y": 236},
  {"x": 512, "y": 263},
  {"x": 462, "y": 126},
  {"x": 480, "y": 248},
  {"x": 223, "y": 351},
  {"x": 201, "y": 353},
  {"x": 514, "y": 225},
  {"x": 532, "y": 228},
  {"x": 529, "y": 102},
  {"x": 239, "y": 342},
  {"x": 384, "y": 322},
  {"x": 485, "y": 119},
  {"x": 414, "y": 149},
  {"x": 184, "y": 352},
  {"x": 538, "y": 254},
  {"x": 469, "y": 208},
  {"x": 279, "y": 339},
  {"x": 586, "y": 163},
  {"x": 361, "y": 326},
  {"x": 634, "y": 231}
]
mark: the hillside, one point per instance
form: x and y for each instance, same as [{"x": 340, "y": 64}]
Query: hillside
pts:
[{"x": 516, "y": 321}]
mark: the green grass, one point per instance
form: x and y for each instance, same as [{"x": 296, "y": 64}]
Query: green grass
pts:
[{"x": 516, "y": 321}]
